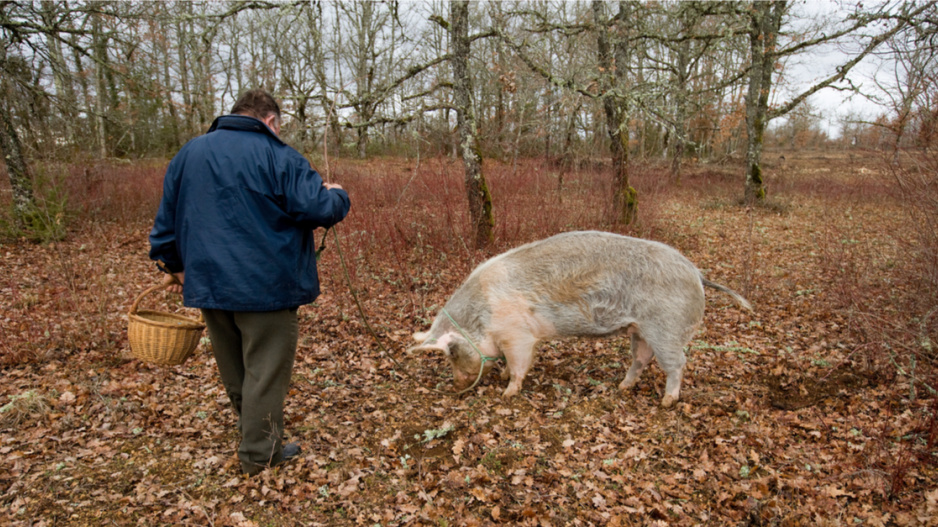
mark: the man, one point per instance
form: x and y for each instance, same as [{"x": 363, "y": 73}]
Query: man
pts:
[{"x": 235, "y": 230}]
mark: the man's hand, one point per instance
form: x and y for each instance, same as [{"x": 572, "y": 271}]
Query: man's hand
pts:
[
  {"x": 331, "y": 186},
  {"x": 173, "y": 282}
]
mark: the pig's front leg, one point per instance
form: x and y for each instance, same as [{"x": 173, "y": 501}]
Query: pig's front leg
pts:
[{"x": 518, "y": 348}]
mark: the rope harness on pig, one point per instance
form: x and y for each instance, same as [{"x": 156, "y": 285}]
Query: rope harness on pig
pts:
[
  {"x": 473, "y": 344},
  {"x": 374, "y": 335}
]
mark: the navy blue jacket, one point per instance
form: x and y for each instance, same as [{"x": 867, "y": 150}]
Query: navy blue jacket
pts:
[{"x": 238, "y": 211}]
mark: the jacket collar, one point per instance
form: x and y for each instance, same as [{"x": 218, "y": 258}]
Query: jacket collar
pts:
[{"x": 242, "y": 123}]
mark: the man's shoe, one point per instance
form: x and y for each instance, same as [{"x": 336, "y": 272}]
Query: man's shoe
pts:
[{"x": 291, "y": 450}]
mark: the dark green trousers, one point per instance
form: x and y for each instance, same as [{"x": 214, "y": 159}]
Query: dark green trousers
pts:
[{"x": 255, "y": 353}]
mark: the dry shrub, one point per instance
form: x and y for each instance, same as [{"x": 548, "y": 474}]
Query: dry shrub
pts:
[
  {"x": 408, "y": 216},
  {"x": 22, "y": 407},
  {"x": 115, "y": 190},
  {"x": 398, "y": 209},
  {"x": 916, "y": 184},
  {"x": 889, "y": 299},
  {"x": 84, "y": 192},
  {"x": 915, "y": 179}
]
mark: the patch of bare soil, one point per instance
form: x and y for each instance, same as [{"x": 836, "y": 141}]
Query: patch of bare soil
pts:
[{"x": 788, "y": 393}]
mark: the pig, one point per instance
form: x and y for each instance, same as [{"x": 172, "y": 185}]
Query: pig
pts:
[{"x": 575, "y": 284}]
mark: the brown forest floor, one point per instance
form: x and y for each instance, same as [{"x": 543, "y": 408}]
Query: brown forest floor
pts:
[{"x": 783, "y": 420}]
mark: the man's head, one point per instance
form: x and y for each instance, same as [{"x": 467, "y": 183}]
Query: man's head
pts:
[{"x": 261, "y": 105}]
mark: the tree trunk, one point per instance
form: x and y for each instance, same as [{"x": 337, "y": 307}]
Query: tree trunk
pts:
[
  {"x": 331, "y": 130},
  {"x": 566, "y": 156},
  {"x": 207, "y": 95},
  {"x": 64, "y": 90},
  {"x": 365, "y": 54},
  {"x": 549, "y": 118},
  {"x": 624, "y": 199},
  {"x": 85, "y": 105},
  {"x": 182, "y": 37},
  {"x": 480, "y": 200},
  {"x": 365, "y": 113},
  {"x": 763, "y": 33},
  {"x": 170, "y": 104},
  {"x": 12, "y": 150},
  {"x": 680, "y": 110},
  {"x": 301, "y": 103},
  {"x": 100, "y": 56}
]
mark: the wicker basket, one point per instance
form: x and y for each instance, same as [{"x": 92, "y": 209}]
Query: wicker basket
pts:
[{"x": 159, "y": 337}]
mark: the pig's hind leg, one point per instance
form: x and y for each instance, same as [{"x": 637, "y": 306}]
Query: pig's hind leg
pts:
[
  {"x": 641, "y": 357},
  {"x": 670, "y": 355}
]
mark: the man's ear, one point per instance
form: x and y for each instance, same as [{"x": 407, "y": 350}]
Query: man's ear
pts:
[{"x": 272, "y": 122}]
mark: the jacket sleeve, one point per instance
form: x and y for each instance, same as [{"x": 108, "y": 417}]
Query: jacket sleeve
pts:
[
  {"x": 308, "y": 201},
  {"x": 163, "y": 235}
]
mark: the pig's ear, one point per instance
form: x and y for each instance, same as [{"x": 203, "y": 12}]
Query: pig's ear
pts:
[
  {"x": 444, "y": 343},
  {"x": 462, "y": 354},
  {"x": 424, "y": 343},
  {"x": 423, "y": 347}
]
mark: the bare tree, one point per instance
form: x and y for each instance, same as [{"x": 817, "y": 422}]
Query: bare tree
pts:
[
  {"x": 480, "y": 199},
  {"x": 612, "y": 46},
  {"x": 362, "y": 54},
  {"x": 766, "y": 21},
  {"x": 62, "y": 82},
  {"x": 11, "y": 148},
  {"x": 19, "y": 25},
  {"x": 368, "y": 52},
  {"x": 101, "y": 76},
  {"x": 298, "y": 53},
  {"x": 690, "y": 49},
  {"x": 908, "y": 92}
]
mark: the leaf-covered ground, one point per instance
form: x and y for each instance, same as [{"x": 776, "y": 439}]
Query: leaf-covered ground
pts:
[{"x": 783, "y": 419}]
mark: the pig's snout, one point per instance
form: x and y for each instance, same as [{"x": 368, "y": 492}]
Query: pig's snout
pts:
[
  {"x": 461, "y": 379},
  {"x": 466, "y": 374}
]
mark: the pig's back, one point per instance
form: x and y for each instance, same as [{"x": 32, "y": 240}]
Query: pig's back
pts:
[{"x": 595, "y": 283}]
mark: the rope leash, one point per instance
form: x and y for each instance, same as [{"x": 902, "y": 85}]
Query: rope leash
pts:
[
  {"x": 322, "y": 244},
  {"x": 471, "y": 343},
  {"x": 374, "y": 335}
]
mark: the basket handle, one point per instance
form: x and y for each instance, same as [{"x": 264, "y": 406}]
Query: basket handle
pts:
[{"x": 133, "y": 307}]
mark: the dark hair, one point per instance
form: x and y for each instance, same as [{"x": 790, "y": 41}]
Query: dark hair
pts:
[{"x": 256, "y": 103}]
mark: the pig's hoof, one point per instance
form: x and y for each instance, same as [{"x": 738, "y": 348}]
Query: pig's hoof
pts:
[
  {"x": 668, "y": 401},
  {"x": 509, "y": 392},
  {"x": 627, "y": 384}
]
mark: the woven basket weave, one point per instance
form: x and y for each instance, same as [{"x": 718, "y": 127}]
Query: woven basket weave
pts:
[{"x": 160, "y": 337}]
